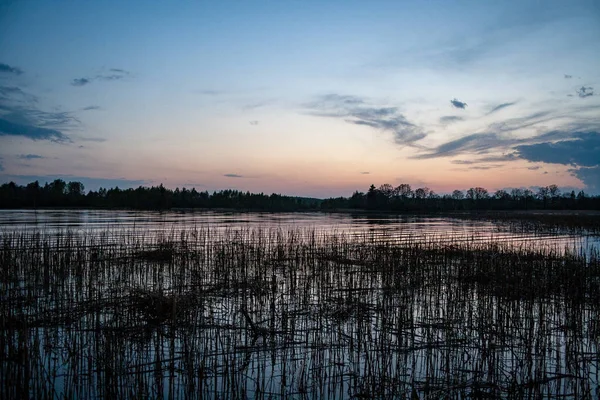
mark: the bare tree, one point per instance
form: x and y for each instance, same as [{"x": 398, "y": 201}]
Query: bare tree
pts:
[
  {"x": 516, "y": 194},
  {"x": 458, "y": 195},
  {"x": 501, "y": 195},
  {"x": 404, "y": 191},
  {"x": 387, "y": 190},
  {"x": 554, "y": 191},
  {"x": 422, "y": 193}
]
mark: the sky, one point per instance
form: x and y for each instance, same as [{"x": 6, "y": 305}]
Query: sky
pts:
[{"x": 310, "y": 98}]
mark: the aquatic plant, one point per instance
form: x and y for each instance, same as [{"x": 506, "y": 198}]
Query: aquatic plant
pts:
[{"x": 294, "y": 313}]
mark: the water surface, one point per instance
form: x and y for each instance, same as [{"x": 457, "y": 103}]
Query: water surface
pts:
[{"x": 385, "y": 226}]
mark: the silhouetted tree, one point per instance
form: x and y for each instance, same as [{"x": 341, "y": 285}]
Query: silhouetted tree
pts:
[
  {"x": 458, "y": 195},
  {"x": 61, "y": 194}
]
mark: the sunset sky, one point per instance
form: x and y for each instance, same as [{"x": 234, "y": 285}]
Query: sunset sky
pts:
[{"x": 311, "y": 98}]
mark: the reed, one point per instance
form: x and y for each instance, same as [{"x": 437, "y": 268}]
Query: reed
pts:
[{"x": 272, "y": 313}]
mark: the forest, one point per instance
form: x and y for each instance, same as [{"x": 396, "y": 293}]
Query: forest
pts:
[{"x": 386, "y": 197}]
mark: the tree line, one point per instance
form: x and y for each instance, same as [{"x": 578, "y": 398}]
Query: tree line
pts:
[
  {"x": 403, "y": 198},
  {"x": 386, "y": 197},
  {"x": 72, "y": 194}
]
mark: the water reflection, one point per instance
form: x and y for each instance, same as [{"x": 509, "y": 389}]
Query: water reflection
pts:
[{"x": 390, "y": 227}]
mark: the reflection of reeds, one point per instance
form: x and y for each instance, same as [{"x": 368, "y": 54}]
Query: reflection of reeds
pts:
[{"x": 298, "y": 314}]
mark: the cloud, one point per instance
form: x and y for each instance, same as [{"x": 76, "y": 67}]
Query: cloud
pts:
[
  {"x": 21, "y": 116},
  {"x": 474, "y": 143},
  {"x": 458, "y": 104},
  {"x": 8, "y": 128},
  {"x": 582, "y": 149},
  {"x": 342, "y": 99},
  {"x": 357, "y": 111},
  {"x": 486, "y": 142},
  {"x": 462, "y": 162},
  {"x": 258, "y": 104},
  {"x": 15, "y": 94},
  {"x": 90, "y": 108},
  {"x": 253, "y": 122},
  {"x": 568, "y": 76},
  {"x": 486, "y": 167},
  {"x": 81, "y": 81},
  {"x": 233, "y": 176},
  {"x": 500, "y": 158},
  {"x": 111, "y": 77},
  {"x": 449, "y": 119},
  {"x": 5, "y": 68},
  {"x": 590, "y": 177},
  {"x": 479, "y": 161},
  {"x": 584, "y": 92},
  {"x": 515, "y": 124},
  {"x": 89, "y": 139},
  {"x": 500, "y": 107},
  {"x": 29, "y": 156},
  {"x": 114, "y": 75}
]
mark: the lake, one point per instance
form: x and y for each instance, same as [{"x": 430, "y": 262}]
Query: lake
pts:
[
  {"x": 388, "y": 227},
  {"x": 119, "y": 304}
]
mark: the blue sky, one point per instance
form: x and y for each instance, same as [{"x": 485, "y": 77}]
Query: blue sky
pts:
[{"x": 316, "y": 98}]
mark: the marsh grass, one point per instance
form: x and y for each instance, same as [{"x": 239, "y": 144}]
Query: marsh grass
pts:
[{"x": 294, "y": 314}]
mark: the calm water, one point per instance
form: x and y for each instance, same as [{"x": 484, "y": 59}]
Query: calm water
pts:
[
  {"x": 390, "y": 227},
  {"x": 120, "y": 325}
]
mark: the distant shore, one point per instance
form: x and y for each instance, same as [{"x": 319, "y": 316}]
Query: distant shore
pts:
[{"x": 477, "y": 213}]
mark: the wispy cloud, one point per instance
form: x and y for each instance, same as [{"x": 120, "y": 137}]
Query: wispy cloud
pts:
[
  {"x": 462, "y": 162},
  {"x": 208, "y": 92},
  {"x": 21, "y": 116},
  {"x": 89, "y": 139},
  {"x": 15, "y": 94},
  {"x": 29, "y": 156},
  {"x": 5, "y": 68},
  {"x": 474, "y": 143},
  {"x": 501, "y": 106},
  {"x": 486, "y": 142},
  {"x": 584, "y": 92},
  {"x": 500, "y": 158},
  {"x": 80, "y": 81},
  {"x": 518, "y": 123},
  {"x": 458, "y": 104},
  {"x": 449, "y": 119},
  {"x": 91, "y": 108},
  {"x": 358, "y": 111},
  {"x": 486, "y": 167},
  {"x": 488, "y": 159},
  {"x": 233, "y": 176},
  {"x": 8, "y": 128},
  {"x": 114, "y": 74}
]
